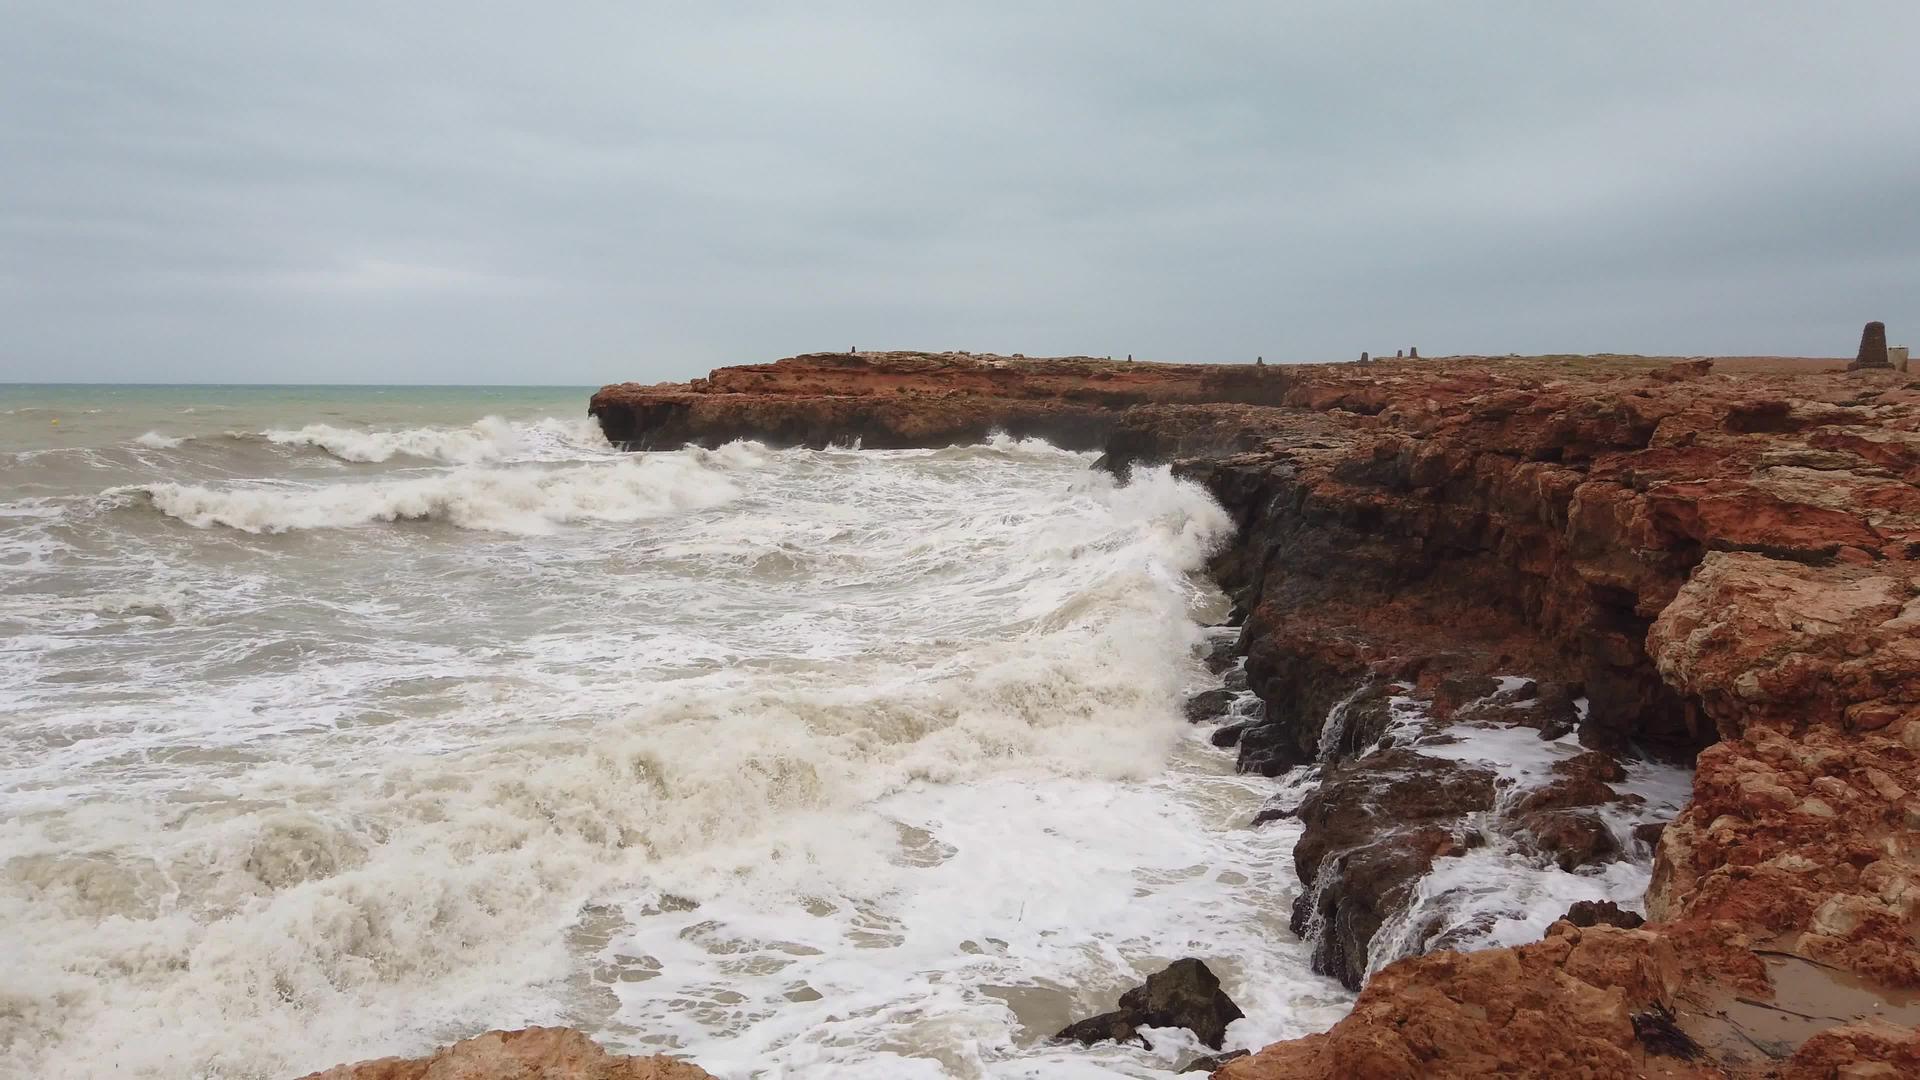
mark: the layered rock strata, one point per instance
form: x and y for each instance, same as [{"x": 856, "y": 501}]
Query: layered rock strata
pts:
[
  {"x": 1713, "y": 562},
  {"x": 909, "y": 399}
]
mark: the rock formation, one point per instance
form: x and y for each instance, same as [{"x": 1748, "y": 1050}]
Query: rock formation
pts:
[
  {"x": 1183, "y": 994},
  {"x": 906, "y": 399},
  {"x": 1715, "y": 561},
  {"x": 528, "y": 1054}
]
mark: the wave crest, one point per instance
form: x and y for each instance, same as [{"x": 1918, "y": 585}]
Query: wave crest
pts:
[
  {"x": 488, "y": 439},
  {"x": 519, "y": 500}
]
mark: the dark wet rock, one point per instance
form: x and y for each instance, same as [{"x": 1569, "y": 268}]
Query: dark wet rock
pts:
[
  {"x": 1184, "y": 994},
  {"x": 1268, "y": 749},
  {"x": 1592, "y": 765},
  {"x": 1227, "y": 735},
  {"x": 1601, "y": 913},
  {"x": 1211, "y": 1061},
  {"x": 1274, "y": 813},
  {"x": 1117, "y": 1026},
  {"x": 1572, "y": 838},
  {"x": 1373, "y": 829},
  {"x": 1223, "y": 653},
  {"x": 1210, "y": 705},
  {"x": 1649, "y": 832},
  {"x": 1566, "y": 792}
]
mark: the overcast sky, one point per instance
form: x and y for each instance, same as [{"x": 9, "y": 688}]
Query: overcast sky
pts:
[{"x": 585, "y": 192}]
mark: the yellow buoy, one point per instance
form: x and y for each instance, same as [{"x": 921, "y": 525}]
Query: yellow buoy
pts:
[{"x": 55, "y": 420}]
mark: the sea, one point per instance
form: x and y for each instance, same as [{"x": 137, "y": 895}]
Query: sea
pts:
[{"x": 340, "y": 722}]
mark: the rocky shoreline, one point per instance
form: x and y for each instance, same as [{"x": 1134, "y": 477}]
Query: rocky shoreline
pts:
[{"x": 1498, "y": 607}]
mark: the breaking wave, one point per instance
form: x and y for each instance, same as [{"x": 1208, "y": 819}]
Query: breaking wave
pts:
[
  {"x": 419, "y": 822},
  {"x": 525, "y": 500},
  {"x": 489, "y": 439}
]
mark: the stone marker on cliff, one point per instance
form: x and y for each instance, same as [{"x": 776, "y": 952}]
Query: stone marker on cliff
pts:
[
  {"x": 1873, "y": 348},
  {"x": 1184, "y": 994},
  {"x": 1413, "y": 352},
  {"x": 1365, "y": 359}
]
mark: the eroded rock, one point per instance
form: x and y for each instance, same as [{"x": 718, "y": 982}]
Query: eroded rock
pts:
[
  {"x": 528, "y": 1054},
  {"x": 1184, "y": 994}
]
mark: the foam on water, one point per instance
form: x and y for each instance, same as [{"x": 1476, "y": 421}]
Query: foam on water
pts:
[
  {"x": 307, "y": 783},
  {"x": 519, "y": 499},
  {"x": 1499, "y": 894},
  {"x": 489, "y": 439}
]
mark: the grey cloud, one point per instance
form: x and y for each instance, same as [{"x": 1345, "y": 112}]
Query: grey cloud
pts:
[{"x": 580, "y": 192}]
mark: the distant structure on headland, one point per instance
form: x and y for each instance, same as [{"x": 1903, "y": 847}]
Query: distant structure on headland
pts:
[{"x": 1873, "y": 349}]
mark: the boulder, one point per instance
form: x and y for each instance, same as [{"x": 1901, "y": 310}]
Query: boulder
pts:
[
  {"x": 1183, "y": 994},
  {"x": 1602, "y": 913}
]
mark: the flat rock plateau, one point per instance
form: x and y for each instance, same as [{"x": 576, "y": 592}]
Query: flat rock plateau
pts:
[{"x": 1713, "y": 564}]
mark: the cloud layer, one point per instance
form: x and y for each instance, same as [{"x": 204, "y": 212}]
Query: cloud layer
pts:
[{"x": 482, "y": 192}]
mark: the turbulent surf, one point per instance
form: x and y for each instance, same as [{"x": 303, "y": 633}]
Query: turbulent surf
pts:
[{"x": 324, "y": 740}]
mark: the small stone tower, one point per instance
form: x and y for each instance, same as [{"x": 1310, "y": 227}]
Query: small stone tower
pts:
[
  {"x": 1873, "y": 349},
  {"x": 1413, "y": 352},
  {"x": 1365, "y": 359}
]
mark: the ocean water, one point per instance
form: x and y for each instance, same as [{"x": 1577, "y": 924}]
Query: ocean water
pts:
[{"x": 342, "y": 722}]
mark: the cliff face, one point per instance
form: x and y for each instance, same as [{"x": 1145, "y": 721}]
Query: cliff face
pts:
[
  {"x": 906, "y": 399},
  {"x": 1677, "y": 559}
]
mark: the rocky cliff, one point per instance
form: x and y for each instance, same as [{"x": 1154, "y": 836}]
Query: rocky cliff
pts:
[
  {"x": 906, "y": 399},
  {"x": 1679, "y": 560}
]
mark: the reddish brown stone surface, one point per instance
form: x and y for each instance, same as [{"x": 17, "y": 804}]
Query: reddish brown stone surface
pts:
[
  {"x": 904, "y": 399},
  {"x": 528, "y": 1054}
]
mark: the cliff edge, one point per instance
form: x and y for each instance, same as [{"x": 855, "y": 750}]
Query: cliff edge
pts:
[{"x": 890, "y": 400}]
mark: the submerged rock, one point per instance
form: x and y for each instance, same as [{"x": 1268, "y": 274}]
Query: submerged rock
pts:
[
  {"x": 1184, "y": 994},
  {"x": 1210, "y": 1062},
  {"x": 1210, "y": 705}
]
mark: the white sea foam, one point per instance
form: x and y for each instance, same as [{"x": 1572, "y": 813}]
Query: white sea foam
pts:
[
  {"x": 1499, "y": 894},
  {"x": 360, "y": 797},
  {"x": 486, "y": 440},
  {"x": 524, "y": 499},
  {"x": 153, "y": 440}
]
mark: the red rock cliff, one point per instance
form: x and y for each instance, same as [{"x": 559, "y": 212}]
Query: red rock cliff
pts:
[{"x": 905, "y": 399}]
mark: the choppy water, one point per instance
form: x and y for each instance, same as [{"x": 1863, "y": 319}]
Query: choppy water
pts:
[{"x": 341, "y": 722}]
